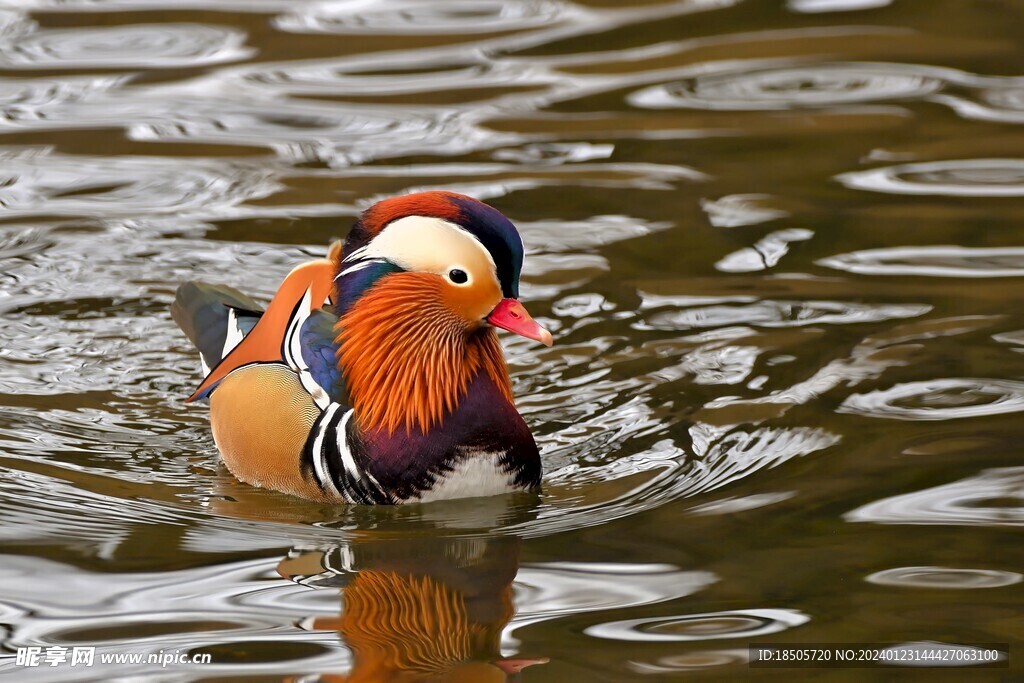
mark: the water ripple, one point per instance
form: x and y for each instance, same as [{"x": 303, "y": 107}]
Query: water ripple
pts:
[
  {"x": 68, "y": 513},
  {"x": 309, "y": 132},
  {"x": 740, "y": 209},
  {"x": 940, "y": 399},
  {"x": 953, "y": 178},
  {"x": 1001, "y": 104},
  {"x": 993, "y": 498},
  {"x": 72, "y": 6},
  {"x": 790, "y": 87},
  {"x": 691, "y": 661},
  {"x": 766, "y": 253},
  {"x": 555, "y": 153},
  {"x": 1011, "y": 98},
  {"x": 143, "y": 45},
  {"x": 562, "y": 236},
  {"x": 25, "y": 101},
  {"x": 588, "y": 489},
  {"x": 731, "y": 505},
  {"x": 710, "y": 626},
  {"x": 816, "y": 6},
  {"x": 404, "y": 73},
  {"x": 768, "y": 313},
  {"x": 868, "y": 360},
  {"x": 186, "y": 609},
  {"x": 944, "y": 577},
  {"x": 39, "y": 181},
  {"x": 933, "y": 261},
  {"x": 558, "y": 589},
  {"x": 417, "y": 18}
]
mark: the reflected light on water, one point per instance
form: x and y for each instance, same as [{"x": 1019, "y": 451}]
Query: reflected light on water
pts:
[
  {"x": 153, "y": 46},
  {"x": 933, "y": 261},
  {"x": 993, "y": 498},
  {"x": 787, "y": 87},
  {"x": 711, "y": 626},
  {"x": 944, "y": 399},
  {"x": 958, "y": 178},
  {"x": 944, "y": 577}
]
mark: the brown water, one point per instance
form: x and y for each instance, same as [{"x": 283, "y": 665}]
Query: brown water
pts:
[{"x": 781, "y": 246}]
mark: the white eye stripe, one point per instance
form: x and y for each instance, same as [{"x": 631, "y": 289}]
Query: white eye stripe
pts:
[
  {"x": 427, "y": 244},
  {"x": 476, "y": 241},
  {"x": 356, "y": 267},
  {"x": 356, "y": 255}
]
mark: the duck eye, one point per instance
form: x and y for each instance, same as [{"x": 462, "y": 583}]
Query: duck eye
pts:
[{"x": 457, "y": 276}]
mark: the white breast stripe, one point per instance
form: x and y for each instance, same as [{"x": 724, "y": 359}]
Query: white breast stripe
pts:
[
  {"x": 373, "y": 480},
  {"x": 346, "y": 454},
  {"x": 293, "y": 352},
  {"x": 323, "y": 474},
  {"x": 292, "y": 343}
]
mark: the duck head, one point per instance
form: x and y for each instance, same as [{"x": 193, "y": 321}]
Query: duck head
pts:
[{"x": 464, "y": 255}]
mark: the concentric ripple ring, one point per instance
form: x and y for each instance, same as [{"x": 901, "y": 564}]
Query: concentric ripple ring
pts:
[{"x": 792, "y": 87}]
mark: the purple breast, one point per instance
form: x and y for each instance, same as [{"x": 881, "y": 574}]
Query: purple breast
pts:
[{"x": 406, "y": 463}]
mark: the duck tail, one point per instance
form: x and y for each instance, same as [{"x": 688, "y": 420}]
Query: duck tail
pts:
[{"x": 215, "y": 318}]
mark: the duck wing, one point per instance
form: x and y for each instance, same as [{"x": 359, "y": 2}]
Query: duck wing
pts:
[{"x": 276, "y": 336}]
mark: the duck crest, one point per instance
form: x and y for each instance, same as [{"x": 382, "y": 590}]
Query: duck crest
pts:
[
  {"x": 407, "y": 360},
  {"x": 446, "y": 205}
]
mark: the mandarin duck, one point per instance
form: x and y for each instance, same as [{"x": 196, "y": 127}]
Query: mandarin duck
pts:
[{"x": 375, "y": 375}]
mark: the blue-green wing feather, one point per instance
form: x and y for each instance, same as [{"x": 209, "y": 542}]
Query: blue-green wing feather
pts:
[{"x": 320, "y": 353}]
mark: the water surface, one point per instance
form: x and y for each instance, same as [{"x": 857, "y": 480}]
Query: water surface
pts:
[{"x": 780, "y": 245}]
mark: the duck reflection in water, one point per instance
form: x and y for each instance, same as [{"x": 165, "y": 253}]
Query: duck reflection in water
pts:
[{"x": 418, "y": 610}]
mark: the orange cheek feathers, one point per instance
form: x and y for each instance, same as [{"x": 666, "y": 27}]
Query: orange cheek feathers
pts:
[
  {"x": 408, "y": 358},
  {"x": 471, "y": 303}
]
